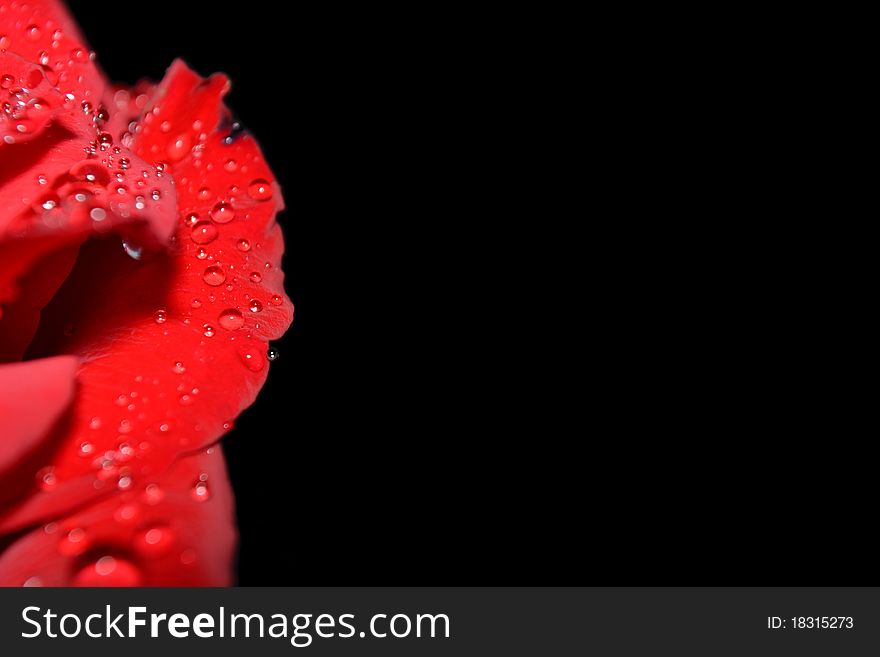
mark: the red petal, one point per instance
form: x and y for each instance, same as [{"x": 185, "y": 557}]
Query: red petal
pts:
[
  {"x": 62, "y": 177},
  {"x": 33, "y": 396},
  {"x": 171, "y": 353},
  {"x": 178, "y": 530}
]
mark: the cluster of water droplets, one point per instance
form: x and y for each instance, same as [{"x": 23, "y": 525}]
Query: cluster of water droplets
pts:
[{"x": 24, "y": 111}]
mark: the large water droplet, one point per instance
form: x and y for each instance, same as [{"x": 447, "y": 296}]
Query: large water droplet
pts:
[
  {"x": 222, "y": 213},
  {"x": 260, "y": 190},
  {"x": 204, "y": 232},
  {"x": 255, "y": 306},
  {"x": 214, "y": 275},
  {"x": 231, "y": 319}
]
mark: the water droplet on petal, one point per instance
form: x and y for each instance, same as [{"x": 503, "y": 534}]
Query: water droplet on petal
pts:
[
  {"x": 161, "y": 316},
  {"x": 208, "y": 331},
  {"x": 73, "y": 542},
  {"x": 153, "y": 494},
  {"x": 214, "y": 276},
  {"x": 201, "y": 492},
  {"x": 253, "y": 360},
  {"x": 46, "y": 478},
  {"x": 108, "y": 571},
  {"x": 133, "y": 252},
  {"x": 179, "y": 147},
  {"x": 276, "y": 300},
  {"x": 127, "y": 514},
  {"x": 32, "y": 582},
  {"x": 204, "y": 232},
  {"x": 222, "y": 213},
  {"x": 243, "y": 245},
  {"x": 273, "y": 354},
  {"x": 179, "y": 368},
  {"x": 260, "y": 190},
  {"x": 154, "y": 541},
  {"x": 231, "y": 319},
  {"x": 255, "y": 306}
]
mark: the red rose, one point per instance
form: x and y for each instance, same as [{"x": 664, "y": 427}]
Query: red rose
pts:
[{"x": 139, "y": 287}]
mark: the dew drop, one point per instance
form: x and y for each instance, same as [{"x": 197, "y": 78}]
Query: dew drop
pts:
[
  {"x": 222, "y": 213},
  {"x": 46, "y": 478},
  {"x": 161, "y": 316},
  {"x": 134, "y": 252},
  {"x": 200, "y": 492},
  {"x": 31, "y": 582},
  {"x": 231, "y": 319},
  {"x": 179, "y": 147},
  {"x": 276, "y": 300},
  {"x": 73, "y": 543},
  {"x": 153, "y": 494},
  {"x": 204, "y": 232},
  {"x": 178, "y": 368},
  {"x": 255, "y": 306},
  {"x": 208, "y": 331},
  {"x": 253, "y": 360},
  {"x": 243, "y": 245},
  {"x": 213, "y": 275},
  {"x": 108, "y": 571},
  {"x": 256, "y": 277},
  {"x": 231, "y": 166},
  {"x": 154, "y": 541},
  {"x": 195, "y": 303},
  {"x": 260, "y": 190},
  {"x": 201, "y": 254},
  {"x": 273, "y": 354},
  {"x": 127, "y": 514}
]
